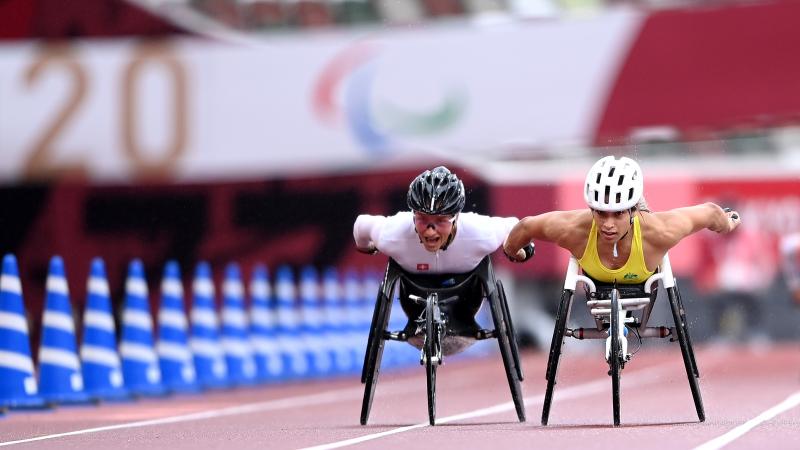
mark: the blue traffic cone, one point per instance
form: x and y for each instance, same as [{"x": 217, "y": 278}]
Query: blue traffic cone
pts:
[
  {"x": 139, "y": 361},
  {"x": 209, "y": 359},
  {"x": 18, "y": 386},
  {"x": 290, "y": 340},
  {"x": 335, "y": 323},
  {"x": 102, "y": 369},
  {"x": 269, "y": 366},
  {"x": 175, "y": 359},
  {"x": 60, "y": 375},
  {"x": 235, "y": 330},
  {"x": 313, "y": 323}
]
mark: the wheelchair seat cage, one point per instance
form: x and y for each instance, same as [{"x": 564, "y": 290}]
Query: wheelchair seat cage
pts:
[
  {"x": 434, "y": 321},
  {"x": 612, "y": 307}
]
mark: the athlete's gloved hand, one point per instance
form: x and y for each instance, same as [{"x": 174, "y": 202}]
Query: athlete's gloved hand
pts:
[
  {"x": 523, "y": 254},
  {"x": 371, "y": 250}
]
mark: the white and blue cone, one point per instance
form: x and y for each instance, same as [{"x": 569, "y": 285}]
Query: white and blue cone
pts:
[
  {"x": 18, "y": 387},
  {"x": 175, "y": 359},
  {"x": 236, "y": 329},
  {"x": 140, "y": 367},
  {"x": 102, "y": 368},
  {"x": 266, "y": 354},
  {"x": 296, "y": 359},
  {"x": 313, "y": 331},
  {"x": 335, "y": 322},
  {"x": 60, "y": 375},
  {"x": 209, "y": 359}
]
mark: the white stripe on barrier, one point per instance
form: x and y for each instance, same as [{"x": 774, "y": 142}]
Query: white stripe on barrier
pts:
[
  {"x": 101, "y": 320},
  {"x": 137, "y": 352},
  {"x": 262, "y": 318},
  {"x": 175, "y": 352},
  {"x": 58, "y": 357},
  {"x": 57, "y": 284},
  {"x": 136, "y": 287},
  {"x": 98, "y": 286},
  {"x": 10, "y": 283},
  {"x": 234, "y": 318},
  {"x": 171, "y": 287},
  {"x": 59, "y": 320},
  {"x": 237, "y": 348},
  {"x": 203, "y": 287},
  {"x": 233, "y": 288},
  {"x": 14, "y": 322},
  {"x": 205, "y": 347},
  {"x": 137, "y": 319},
  {"x": 205, "y": 318},
  {"x": 99, "y": 355},
  {"x": 172, "y": 319},
  {"x": 16, "y": 361},
  {"x": 259, "y": 289}
]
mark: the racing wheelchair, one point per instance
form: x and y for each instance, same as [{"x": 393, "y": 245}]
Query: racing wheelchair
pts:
[
  {"x": 612, "y": 307},
  {"x": 441, "y": 313}
]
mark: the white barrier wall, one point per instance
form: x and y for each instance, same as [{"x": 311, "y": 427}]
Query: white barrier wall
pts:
[{"x": 198, "y": 110}]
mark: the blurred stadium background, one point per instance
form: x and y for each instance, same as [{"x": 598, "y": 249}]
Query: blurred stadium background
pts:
[{"x": 257, "y": 130}]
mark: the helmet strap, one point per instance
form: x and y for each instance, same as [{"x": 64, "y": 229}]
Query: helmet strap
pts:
[{"x": 452, "y": 235}]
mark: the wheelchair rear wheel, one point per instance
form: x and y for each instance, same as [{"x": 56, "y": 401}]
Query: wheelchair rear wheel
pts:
[
  {"x": 374, "y": 353},
  {"x": 555, "y": 351},
  {"x": 615, "y": 356},
  {"x": 430, "y": 348},
  {"x": 512, "y": 335},
  {"x": 687, "y": 352}
]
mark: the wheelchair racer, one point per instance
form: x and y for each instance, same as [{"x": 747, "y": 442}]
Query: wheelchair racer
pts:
[
  {"x": 618, "y": 239},
  {"x": 439, "y": 245}
]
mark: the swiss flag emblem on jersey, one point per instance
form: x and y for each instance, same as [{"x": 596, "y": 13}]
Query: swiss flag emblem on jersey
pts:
[{"x": 422, "y": 266}]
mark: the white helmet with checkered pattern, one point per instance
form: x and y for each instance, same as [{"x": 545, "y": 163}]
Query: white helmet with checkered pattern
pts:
[{"x": 613, "y": 184}]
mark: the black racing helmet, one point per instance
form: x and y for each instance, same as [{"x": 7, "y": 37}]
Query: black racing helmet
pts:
[{"x": 436, "y": 192}]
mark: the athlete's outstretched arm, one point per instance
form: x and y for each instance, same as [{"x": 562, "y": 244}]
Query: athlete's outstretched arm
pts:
[
  {"x": 365, "y": 231},
  {"x": 681, "y": 222},
  {"x": 549, "y": 226}
]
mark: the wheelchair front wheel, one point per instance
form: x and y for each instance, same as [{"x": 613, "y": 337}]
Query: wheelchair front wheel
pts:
[
  {"x": 432, "y": 356},
  {"x": 615, "y": 356}
]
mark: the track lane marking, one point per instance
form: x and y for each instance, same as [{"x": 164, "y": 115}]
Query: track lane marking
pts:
[
  {"x": 721, "y": 441},
  {"x": 638, "y": 378}
]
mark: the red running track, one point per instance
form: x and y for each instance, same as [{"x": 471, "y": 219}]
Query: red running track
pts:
[{"x": 751, "y": 396}]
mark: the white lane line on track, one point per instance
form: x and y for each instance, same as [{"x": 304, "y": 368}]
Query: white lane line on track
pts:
[
  {"x": 725, "y": 439},
  {"x": 638, "y": 378},
  {"x": 271, "y": 405}
]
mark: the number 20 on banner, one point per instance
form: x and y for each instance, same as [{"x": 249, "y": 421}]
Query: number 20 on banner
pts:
[{"x": 63, "y": 58}]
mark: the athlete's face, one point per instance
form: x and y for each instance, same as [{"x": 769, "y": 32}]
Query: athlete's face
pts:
[
  {"x": 612, "y": 225},
  {"x": 433, "y": 231}
]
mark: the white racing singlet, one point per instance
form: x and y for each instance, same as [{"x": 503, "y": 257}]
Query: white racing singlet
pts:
[{"x": 476, "y": 236}]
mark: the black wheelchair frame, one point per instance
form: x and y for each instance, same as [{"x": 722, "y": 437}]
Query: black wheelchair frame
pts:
[
  {"x": 435, "y": 331},
  {"x": 612, "y": 307}
]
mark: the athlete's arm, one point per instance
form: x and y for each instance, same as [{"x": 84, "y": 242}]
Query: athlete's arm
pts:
[
  {"x": 365, "y": 232},
  {"x": 678, "y": 223},
  {"x": 551, "y": 227}
]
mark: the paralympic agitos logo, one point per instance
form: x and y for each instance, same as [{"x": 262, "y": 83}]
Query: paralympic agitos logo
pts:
[{"x": 345, "y": 92}]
